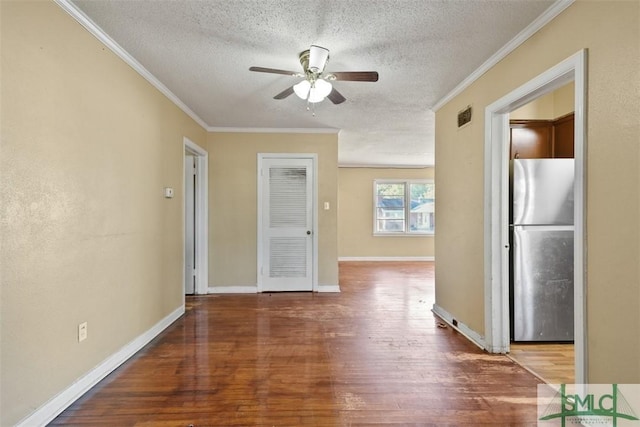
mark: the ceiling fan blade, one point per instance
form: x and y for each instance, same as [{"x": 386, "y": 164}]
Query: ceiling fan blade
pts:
[
  {"x": 282, "y": 95},
  {"x": 356, "y": 76},
  {"x": 273, "y": 71},
  {"x": 318, "y": 57},
  {"x": 336, "y": 97}
]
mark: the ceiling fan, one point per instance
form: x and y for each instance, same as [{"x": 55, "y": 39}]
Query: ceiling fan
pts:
[{"x": 316, "y": 85}]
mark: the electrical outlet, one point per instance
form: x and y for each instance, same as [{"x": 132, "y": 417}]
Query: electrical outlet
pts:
[{"x": 82, "y": 331}]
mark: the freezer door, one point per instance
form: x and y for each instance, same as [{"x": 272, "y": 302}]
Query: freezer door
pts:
[
  {"x": 543, "y": 283},
  {"x": 543, "y": 191}
]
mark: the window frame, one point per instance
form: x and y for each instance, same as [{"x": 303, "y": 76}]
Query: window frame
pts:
[{"x": 407, "y": 203}]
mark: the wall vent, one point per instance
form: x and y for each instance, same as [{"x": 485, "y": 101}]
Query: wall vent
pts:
[{"x": 464, "y": 116}]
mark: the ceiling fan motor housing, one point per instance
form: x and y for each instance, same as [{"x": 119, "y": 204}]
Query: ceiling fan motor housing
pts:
[
  {"x": 314, "y": 60},
  {"x": 304, "y": 59}
]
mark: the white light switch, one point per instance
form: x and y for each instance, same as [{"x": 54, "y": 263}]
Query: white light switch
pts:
[
  {"x": 326, "y": 206},
  {"x": 82, "y": 331},
  {"x": 168, "y": 192}
]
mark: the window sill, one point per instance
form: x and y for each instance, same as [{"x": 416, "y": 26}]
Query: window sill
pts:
[{"x": 403, "y": 234}]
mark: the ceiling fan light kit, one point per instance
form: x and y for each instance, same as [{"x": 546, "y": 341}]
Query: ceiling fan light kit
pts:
[
  {"x": 313, "y": 92},
  {"x": 320, "y": 90},
  {"x": 316, "y": 86},
  {"x": 302, "y": 89}
]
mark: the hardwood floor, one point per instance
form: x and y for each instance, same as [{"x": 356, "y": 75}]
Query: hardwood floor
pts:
[
  {"x": 370, "y": 355},
  {"x": 554, "y": 363}
]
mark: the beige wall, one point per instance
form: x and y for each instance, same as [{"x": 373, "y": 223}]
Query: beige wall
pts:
[
  {"x": 548, "y": 107},
  {"x": 611, "y": 33},
  {"x": 87, "y": 147},
  {"x": 355, "y": 216},
  {"x": 233, "y": 165}
]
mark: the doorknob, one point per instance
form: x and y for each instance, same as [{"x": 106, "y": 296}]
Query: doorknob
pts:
[{"x": 308, "y": 232}]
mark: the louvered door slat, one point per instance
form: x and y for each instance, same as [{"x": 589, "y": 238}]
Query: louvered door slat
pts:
[
  {"x": 288, "y": 257},
  {"x": 288, "y": 197}
]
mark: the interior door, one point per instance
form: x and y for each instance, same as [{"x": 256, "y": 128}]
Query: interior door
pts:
[
  {"x": 287, "y": 224},
  {"x": 189, "y": 226}
]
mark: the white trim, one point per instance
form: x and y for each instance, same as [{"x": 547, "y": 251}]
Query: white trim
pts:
[
  {"x": 271, "y": 130},
  {"x": 402, "y": 234},
  {"x": 386, "y": 258},
  {"x": 496, "y": 205},
  {"x": 580, "y": 220},
  {"x": 259, "y": 239},
  {"x": 554, "y": 10},
  {"x": 47, "y": 412},
  {"x": 260, "y": 256},
  {"x": 383, "y": 166},
  {"x": 103, "y": 37},
  {"x": 496, "y": 326},
  {"x": 471, "y": 335},
  {"x": 250, "y": 289},
  {"x": 254, "y": 289},
  {"x": 188, "y": 217},
  {"x": 328, "y": 289},
  {"x": 202, "y": 214},
  {"x": 316, "y": 228}
]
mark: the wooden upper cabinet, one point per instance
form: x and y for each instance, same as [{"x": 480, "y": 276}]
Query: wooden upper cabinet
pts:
[
  {"x": 563, "y": 138},
  {"x": 542, "y": 139},
  {"x": 531, "y": 139}
]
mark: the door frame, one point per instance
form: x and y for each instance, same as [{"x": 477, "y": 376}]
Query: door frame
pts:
[
  {"x": 201, "y": 215},
  {"x": 189, "y": 223},
  {"x": 314, "y": 212},
  {"x": 496, "y": 205}
]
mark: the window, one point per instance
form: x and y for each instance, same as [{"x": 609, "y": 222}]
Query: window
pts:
[{"x": 404, "y": 207}]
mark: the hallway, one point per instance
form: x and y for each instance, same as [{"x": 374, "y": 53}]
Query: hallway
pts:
[{"x": 372, "y": 354}]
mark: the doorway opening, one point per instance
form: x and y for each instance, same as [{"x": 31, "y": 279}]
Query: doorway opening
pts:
[
  {"x": 196, "y": 208},
  {"x": 496, "y": 186},
  {"x": 541, "y": 228}
]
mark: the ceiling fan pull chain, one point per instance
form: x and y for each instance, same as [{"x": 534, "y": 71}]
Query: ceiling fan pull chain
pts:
[{"x": 311, "y": 107}]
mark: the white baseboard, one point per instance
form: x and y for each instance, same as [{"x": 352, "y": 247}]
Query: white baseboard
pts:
[
  {"x": 254, "y": 289},
  {"x": 387, "y": 258},
  {"x": 47, "y": 412},
  {"x": 469, "y": 333},
  {"x": 233, "y": 289},
  {"x": 328, "y": 288}
]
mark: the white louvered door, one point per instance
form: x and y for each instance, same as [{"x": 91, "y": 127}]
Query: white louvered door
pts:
[{"x": 287, "y": 224}]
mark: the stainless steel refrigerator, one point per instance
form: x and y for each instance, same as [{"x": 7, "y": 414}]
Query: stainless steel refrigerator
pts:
[{"x": 542, "y": 249}]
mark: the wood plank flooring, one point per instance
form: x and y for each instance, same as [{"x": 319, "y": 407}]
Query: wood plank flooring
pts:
[
  {"x": 554, "y": 363},
  {"x": 370, "y": 355}
]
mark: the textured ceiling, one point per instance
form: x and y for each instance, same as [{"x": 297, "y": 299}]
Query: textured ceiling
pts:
[{"x": 202, "y": 50}]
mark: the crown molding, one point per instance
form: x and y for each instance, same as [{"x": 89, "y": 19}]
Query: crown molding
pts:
[
  {"x": 554, "y": 10},
  {"x": 99, "y": 33},
  {"x": 271, "y": 130},
  {"x": 382, "y": 166}
]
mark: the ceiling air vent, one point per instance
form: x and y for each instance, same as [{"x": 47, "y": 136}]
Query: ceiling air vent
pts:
[{"x": 464, "y": 116}]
